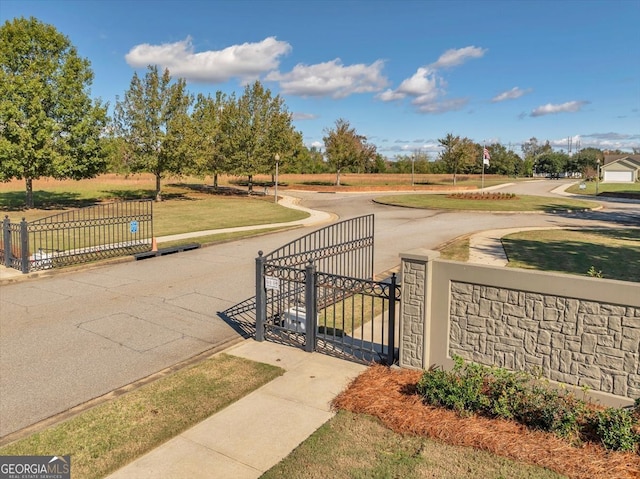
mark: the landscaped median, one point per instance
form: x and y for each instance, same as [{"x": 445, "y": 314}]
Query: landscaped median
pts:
[
  {"x": 474, "y": 202},
  {"x": 105, "y": 438}
]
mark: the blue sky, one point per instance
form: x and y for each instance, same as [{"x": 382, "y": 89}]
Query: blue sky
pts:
[{"x": 403, "y": 73}]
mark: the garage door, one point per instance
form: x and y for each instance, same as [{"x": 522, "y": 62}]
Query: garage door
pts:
[{"x": 619, "y": 176}]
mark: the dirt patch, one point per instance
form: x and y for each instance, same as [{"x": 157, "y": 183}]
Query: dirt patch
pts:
[{"x": 390, "y": 395}]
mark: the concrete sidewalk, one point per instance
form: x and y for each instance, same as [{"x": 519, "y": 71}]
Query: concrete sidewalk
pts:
[
  {"x": 253, "y": 434},
  {"x": 486, "y": 247}
]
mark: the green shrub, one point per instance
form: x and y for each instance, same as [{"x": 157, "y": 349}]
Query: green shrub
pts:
[
  {"x": 458, "y": 390},
  {"x": 496, "y": 392},
  {"x": 616, "y": 429}
]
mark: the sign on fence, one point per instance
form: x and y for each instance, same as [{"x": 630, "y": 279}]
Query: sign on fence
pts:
[{"x": 271, "y": 282}]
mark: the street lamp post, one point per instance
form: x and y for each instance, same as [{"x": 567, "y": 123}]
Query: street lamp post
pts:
[
  {"x": 413, "y": 170},
  {"x": 275, "y": 198},
  {"x": 597, "y": 175}
]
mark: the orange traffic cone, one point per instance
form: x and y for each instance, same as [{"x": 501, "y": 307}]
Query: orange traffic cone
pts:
[{"x": 154, "y": 245}]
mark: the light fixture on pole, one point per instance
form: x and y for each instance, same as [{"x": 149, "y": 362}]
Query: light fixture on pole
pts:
[
  {"x": 413, "y": 169},
  {"x": 275, "y": 198},
  {"x": 597, "y": 175}
]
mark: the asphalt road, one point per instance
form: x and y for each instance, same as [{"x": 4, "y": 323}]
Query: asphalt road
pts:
[{"x": 71, "y": 337}]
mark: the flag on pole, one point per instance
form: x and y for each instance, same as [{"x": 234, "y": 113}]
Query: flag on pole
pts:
[{"x": 486, "y": 156}]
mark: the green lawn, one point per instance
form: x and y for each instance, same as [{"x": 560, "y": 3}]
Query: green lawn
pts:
[
  {"x": 186, "y": 207},
  {"x": 521, "y": 203},
  {"x": 355, "y": 446},
  {"x": 105, "y": 438},
  {"x": 613, "y": 252},
  {"x": 616, "y": 188}
]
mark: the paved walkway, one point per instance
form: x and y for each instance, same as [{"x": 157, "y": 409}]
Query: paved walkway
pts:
[{"x": 253, "y": 434}]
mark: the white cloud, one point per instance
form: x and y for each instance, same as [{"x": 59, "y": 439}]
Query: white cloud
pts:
[
  {"x": 390, "y": 95},
  {"x": 512, "y": 94},
  {"x": 304, "y": 116},
  {"x": 423, "y": 84},
  {"x": 441, "y": 106},
  {"x": 331, "y": 79},
  {"x": 613, "y": 136},
  {"x": 454, "y": 57},
  {"x": 246, "y": 61},
  {"x": 550, "y": 108},
  {"x": 426, "y": 87}
]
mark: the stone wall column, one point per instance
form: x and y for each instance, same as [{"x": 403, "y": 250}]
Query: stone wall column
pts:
[{"x": 415, "y": 307}]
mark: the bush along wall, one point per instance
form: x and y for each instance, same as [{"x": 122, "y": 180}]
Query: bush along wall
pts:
[{"x": 499, "y": 393}]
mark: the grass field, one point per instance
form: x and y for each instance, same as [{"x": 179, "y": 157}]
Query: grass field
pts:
[
  {"x": 626, "y": 189},
  {"x": 519, "y": 203},
  {"x": 187, "y": 207},
  {"x": 355, "y": 446},
  {"x": 105, "y": 438},
  {"x": 613, "y": 252}
]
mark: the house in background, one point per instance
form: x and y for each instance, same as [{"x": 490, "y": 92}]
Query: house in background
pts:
[{"x": 621, "y": 169}]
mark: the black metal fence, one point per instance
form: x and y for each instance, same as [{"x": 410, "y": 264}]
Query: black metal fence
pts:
[
  {"x": 318, "y": 292},
  {"x": 78, "y": 236}
]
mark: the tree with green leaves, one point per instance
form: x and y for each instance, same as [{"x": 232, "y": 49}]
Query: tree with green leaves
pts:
[
  {"x": 458, "y": 154},
  {"x": 308, "y": 161},
  {"x": 346, "y": 149},
  {"x": 256, "y": 127},
  {"x": 552, "y": 163},
  {"x": 208, "y": 136},
  {"x": 154, "y": 120},
  {"x": 503, "y": 161},
  {"x": 49, "y": 125},
  {"x": 585, "y": 161},
  {"x": 533, "y": 148}
]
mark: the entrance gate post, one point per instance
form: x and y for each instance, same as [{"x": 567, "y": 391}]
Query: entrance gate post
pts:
[
  {"x": 311, "y": 318},
  {"x": 392, "y": 321},
  {"x": 261, "y": 301}
]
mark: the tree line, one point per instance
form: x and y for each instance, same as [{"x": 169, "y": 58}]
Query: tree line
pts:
[{"x": 51, "y": 127}]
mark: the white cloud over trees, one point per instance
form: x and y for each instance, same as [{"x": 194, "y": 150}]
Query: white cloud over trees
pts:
[
  {"x": 331, "y": 79},
  {"x": 246, "y": 61}
]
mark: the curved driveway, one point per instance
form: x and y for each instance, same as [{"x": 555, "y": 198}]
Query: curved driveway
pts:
[{"x": 74, "y": 336}]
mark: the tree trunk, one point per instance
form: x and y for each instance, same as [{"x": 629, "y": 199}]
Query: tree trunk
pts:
[
  {"x": 215, "y": 180},
  {"x": 337, "y": 177},
  {"x": 158, "y": 191},
  {"x": 29, "y": 193},
  {"x": 250, "y": 184}
]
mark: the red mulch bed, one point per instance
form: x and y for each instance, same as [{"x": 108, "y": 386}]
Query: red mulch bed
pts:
[{"x": 389, "y": 394}]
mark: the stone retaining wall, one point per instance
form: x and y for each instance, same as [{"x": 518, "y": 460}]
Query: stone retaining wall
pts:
[{"x": 580, "y": 331}]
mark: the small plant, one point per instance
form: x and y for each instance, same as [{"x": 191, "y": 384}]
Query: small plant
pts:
[
  {"x": 500, "y": 393},
  {"x": 594, "y": 273},
  {"x": 483, "y": 196},
  {"x": 616, "y": 428}
]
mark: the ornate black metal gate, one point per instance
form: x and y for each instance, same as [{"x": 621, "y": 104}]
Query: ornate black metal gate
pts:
[{"x": 318, "y": 292}]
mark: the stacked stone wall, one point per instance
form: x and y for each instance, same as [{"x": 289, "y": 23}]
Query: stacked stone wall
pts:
[
  {"x": 413, "y": 316},
  {"x": 575, "y": 341}
]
